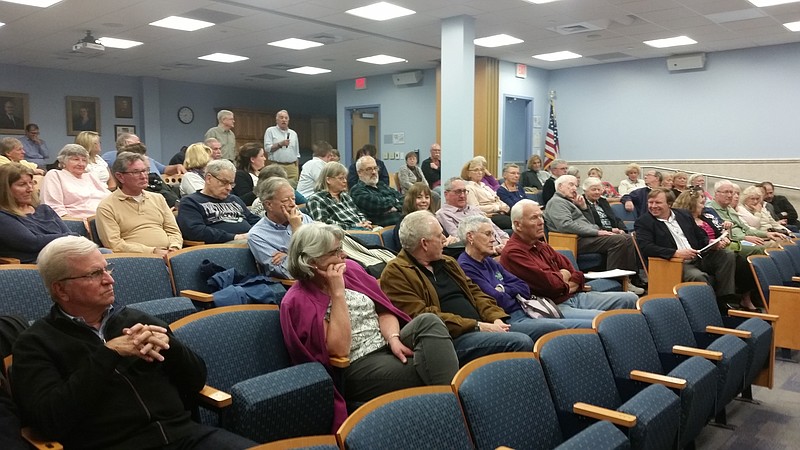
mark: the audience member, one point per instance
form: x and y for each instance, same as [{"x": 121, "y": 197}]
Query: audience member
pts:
[
  {"x": 271, "y": 171},
  {"x": 131, "y": 143},
  {"x": 337, "y": 309},
  {"x": 332, "y": 204},
  {"x": 212, "y": 215},
  {"x": 751, "y": 209},
  {"x": 95, "y": 164},
  {"x": 667, "y": 181},
  {"x": 632, "y": 171},
  {"x": 178, "y": 158},
  {"x": 487, "y": 178},
  {"x": 698, "y": 180},
  {"x": 282, "y": 145},
  {"x": 352, "y": 171},
  {"x": 422, "y": 280},
  {"x": 410, "y": 173},
  {"x": 557, "y": 168},
  {"x": 380, "y": 204},
  {"x": 510, "y": 191},
  {"x": 782, "y": 209},
  {"x": 335, "y": 156},
  {"x": 94, "y": 376},
  {"x": 249, "y": 161},
  {"x": 223, "y": 133},
  {"x": 483, "y": 196},
  {"x": 534, "y": 178},
  {"x": 609, "y": 191},
  {"x": 35, "y": 147},
  {"x": 133, "y": 220},
  {"x": 745, "y": 239},
  {"x": 636, "y": 200},
  {"x": 600, "y": 212},
  {"x": 216, "y": 148},
  {"x": 269, "y": 238},
  {"x": 455, "y": 209},
  {"x": 123, "y": 140},
  {"x": 11, "y": 151},
  {"x": 548, "y": 273},
  {"x": 679, "y": 183},
  {"x": 313, "y": 167},
  {"x": 432, "y": 167},
  {"x": 27, "y": 226},
  {"x": 71, "y": 191},
  {"x": 197, "y": 157},
  {"x": 419, "y": 198}
]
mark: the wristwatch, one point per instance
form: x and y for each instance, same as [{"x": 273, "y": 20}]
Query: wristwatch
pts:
[{"x": 477, "y": 326}]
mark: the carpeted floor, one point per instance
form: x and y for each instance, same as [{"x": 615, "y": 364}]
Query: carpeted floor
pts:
[{"x": 773, "y": 425}]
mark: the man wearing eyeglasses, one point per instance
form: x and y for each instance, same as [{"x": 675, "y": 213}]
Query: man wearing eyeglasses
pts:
[
  {"x": 380, "y": 203},
  {"x": 455, "y": 209},
  {"x": 132, "y": 219},
  {"x": 93, "y": 376}
]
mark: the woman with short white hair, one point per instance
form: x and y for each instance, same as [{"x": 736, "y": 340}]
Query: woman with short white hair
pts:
[{"x": 71, "y": 191}]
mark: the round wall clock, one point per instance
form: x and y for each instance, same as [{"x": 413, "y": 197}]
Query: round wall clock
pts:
[{"x": 185, "y": 114}]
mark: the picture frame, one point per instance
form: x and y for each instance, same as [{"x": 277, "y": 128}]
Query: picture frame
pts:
[
  {"x": 119, "y": 129},
  {"x": 14, "y": 112},
  {"x": 83, "y": 114},
  {"x": 123, "y": 107}
]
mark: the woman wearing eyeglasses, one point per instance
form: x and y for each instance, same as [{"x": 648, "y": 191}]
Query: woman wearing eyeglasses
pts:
[
  {"x": 330, "y": 203},
  {"x": 335, "y": 309},
  {"x": 27, "y": 226},
  {"x": 483, "y": 195}
]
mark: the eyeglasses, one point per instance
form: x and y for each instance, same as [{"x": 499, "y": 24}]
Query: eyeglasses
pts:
[
  {"x": 95, "y": 276},
  {"x": 459, "y": 191},
  {"x": 335, "y": 252},
  {"x": 369, "y": 169},
  {"x": 137, "y": 172},
  {"x": 224, "y": 182}
]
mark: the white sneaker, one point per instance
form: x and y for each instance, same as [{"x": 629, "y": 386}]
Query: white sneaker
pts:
[{"x": 635, "y": 289}]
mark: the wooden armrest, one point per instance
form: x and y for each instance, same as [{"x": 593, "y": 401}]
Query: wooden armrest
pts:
[
  {"x": 748, "y": 314},
  {"x": 37, "y": 443},
  {"x": 600, "y": 413},
  {"x": 722, "y": 330},
  {"x": 339, "y": 361},
  {"x": 503, "y": 447},
  {"x": 9, "y": 260},
  {"x": 691, "y": 351},
  {"x": 587, "y": 288},
  {"x": 283, "y": 281},
  {"x": 214, "y": 397},
  {"x": 654, "y": 378},
  {"x": 796, "y": 279},
  {"x": 188, "y": 243},
  {"x": 197, "y": 296}
]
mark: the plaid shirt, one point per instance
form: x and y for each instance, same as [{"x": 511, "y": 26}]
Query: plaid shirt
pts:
[
  {"x": 322, "y": 207},
  {"x": 376, "y": 203}
]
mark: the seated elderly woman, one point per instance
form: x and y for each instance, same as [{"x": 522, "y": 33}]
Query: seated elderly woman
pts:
[
  {"x": 71, "y": 191},
  {"x": 484, "y": 196},
  {"x": 698, "y": 181},
  {"x": 533, "y": 179},
  {"x": 410, "y": 173},
  {"x": 510, "y": 191},
  {"x": 679, "y": 182},
  {"x": 602, "y": 214},
  {"x": 331, "y": 204},
  {"x": 213, "y": 215},
  {"x": 633, "y": 171},
  {"x": 609, "y": 191},
  {"x": 27, "y": 226},
  {"x": 11, "y": 151},
  {"x": 335, "y": 309},
  {"x": 272, "y": 171},
  {"x": 751, "y": 209},
  {"x": 195, "y": 160},
  {"x": 90, "y": 140},
  {"x": 494, "y": 280}
]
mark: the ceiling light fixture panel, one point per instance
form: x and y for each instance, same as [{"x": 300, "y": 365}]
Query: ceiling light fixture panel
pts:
[
  {"x": 557, "y": 56},
  {"x": 540, "y": 2},
  {"x": 295, "y": 44},
  {"x": 498, "y": 40},
  {"x": 36, "y": 3},
  {"x": 381, "y": 59},
  {"x": 223, "y": 58},
  {"x": 118, "y": 43},
  {"x": 380, "y": 11},
  {"x": 181, "y": 23},
  {"x": 671, "y": 42},
  {"x": 763, "y": 3},
  {"x": 792, "y": 26},
  {"x": 309, "y": 70}
]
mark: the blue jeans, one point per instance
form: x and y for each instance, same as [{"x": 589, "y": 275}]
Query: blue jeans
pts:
[
  {"x": 475, "y": 344},
  {"x": 518, "y": 316}
]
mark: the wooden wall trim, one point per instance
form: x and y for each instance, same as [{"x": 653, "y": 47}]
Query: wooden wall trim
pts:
[{"x": 487, "y": 110}]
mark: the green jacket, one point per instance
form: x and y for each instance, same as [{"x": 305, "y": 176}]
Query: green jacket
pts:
[{"x": 740, "y": 228}]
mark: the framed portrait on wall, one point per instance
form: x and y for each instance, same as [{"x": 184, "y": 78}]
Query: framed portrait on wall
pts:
[
  {"x": 15, "y": 112},
  {"x": 83, "y": 114},
  {"x": 123, "y": 107},
  {"x": 119, "y": 129}
]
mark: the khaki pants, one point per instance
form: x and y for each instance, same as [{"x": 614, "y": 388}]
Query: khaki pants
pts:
[{"x": 292, "y": 174}]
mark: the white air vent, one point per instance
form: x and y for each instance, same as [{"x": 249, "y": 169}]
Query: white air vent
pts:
[{"x": 580, "y": 27}]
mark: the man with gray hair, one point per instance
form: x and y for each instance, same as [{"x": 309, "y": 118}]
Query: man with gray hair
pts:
[
  {"x": 132, "y": 219},
  {"x": 269, "y": 238},
  {"x": 381, "y": 204},
  {"x": 94, "y": 376},
  {"x": 223, "y": 132},
  {"x": 455, "y": 209},
  {"x": 213, "y": 215},
  {"x": 216, "y": 147},
  {"x": 423, "y": 280},
  {"x": 745, "y": 239},
  {"x": 567, "y": 212},
  {"x": 557, "y": 168},
  {"x": 636, "y": 200},
  {"x": 282, "y": 146}
]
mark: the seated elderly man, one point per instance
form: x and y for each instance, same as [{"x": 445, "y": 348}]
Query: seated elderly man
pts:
[
  {"x": 93, "y": 376},
  {"x": 745, "y": 239},
  {"x": 132, "y": 219},
  {"x": 269, "y": 238},
  {"x": 567, "y": 212},
  {"x": 550, "y": 274},
  {"x": 779, "y": 206},
  {"x": 455, "y": 209},
  {"x": 600, "y": 212},
  {"x": 557, "y": 168},
  {"x": 381, "y": 204},
  {"x": 636, "y": 200},
  {"x": 213, "y": 215},
  {"x": 423, "y": 280}
]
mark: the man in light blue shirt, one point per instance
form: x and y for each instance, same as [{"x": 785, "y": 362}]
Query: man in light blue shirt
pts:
[{"x": 36, "y": 150}]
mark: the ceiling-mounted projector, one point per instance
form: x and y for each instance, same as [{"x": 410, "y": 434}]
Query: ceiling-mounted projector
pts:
[{"x": 88, "y": 44}]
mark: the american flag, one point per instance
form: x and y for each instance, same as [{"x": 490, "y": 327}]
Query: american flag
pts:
[{"x": 551, "y": 141}]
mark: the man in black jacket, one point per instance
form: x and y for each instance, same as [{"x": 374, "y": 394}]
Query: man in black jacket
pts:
[
  {"x": 782, "y": 210},
  {"x": 672, "y": 233},
  {"x": 92, "y": 376},
  {"x": 598, "y": 209}
]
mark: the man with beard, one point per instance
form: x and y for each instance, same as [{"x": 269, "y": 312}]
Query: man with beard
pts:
[{"x": 381, "y": 204}]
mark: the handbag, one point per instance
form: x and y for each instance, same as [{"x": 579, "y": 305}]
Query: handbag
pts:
[{"x": 539, "y": 307}]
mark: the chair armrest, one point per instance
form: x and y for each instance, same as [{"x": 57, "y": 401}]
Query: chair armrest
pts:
[
  {"x": 748, "y": 314},
  {"x": 600, "y": 413},
  {"x": 587, "y": 288},
  {"x": 37, "y": 443},
  {"x": 197, "y": 296},
  {"x": 722, "y": 330},
  {"x": 691, "y": 351},
  {"x": 283, "y": 281},
  {"x": 654, "y": 378},
  {"x": 214, "y": 397},
  {"x": 796, "y": 279},
  {"x": 188, "y": 243},
  {"x": 565, "y": 240},
  {"x": 340, "y": 362},
  {"x": 9, "y": 260}
]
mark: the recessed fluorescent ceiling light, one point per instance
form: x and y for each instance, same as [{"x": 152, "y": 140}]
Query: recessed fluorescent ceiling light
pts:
[
  {"x": 118, "y": 43},
  {"x": 792, "y": 26},
  {"x": 557, "y": 56},
  {"x": 308, "y": 70},
  {"x": 295, "y": 44},
  {"x": 181, "y": 23},
  {"x": 381, "y": 59},
  {"x": 39, "y": 3},
  {"x": 671, "y": 42},
  {"x": 380, "y": 11},
  {"x": 224, "y": 58},
  {"x": 1, "y": 24},
  {"x": 763, "y": 3},
  {"x": 539, "y": 2},
  {"x": 498, "y": 40}
]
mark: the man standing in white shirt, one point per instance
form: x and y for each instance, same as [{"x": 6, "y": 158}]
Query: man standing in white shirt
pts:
[
  {"x": 282, "y": 146},
  {"x": 312, "y": 168}
]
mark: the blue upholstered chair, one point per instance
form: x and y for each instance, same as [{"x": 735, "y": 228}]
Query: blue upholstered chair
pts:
[
  {"x": 93, "y": 234},
  {"x": 585, "y": 261},
  {"x": 780, "y": 300},
  {"x": 367, "y": 238},
  {"x": 506, "y": 402},
  {"x": 793, "y": 249},
  {"x": 582, "y": 387},
  {"x": 389, "y": 241},
  {"x": 77, "y": 226},
  {"x": 270, "y": 399},
  {"x": 24, "y": 294},
  {"x": 783, "y": 261},
  {"x": 414, "y": 418},
  {"x": 142, "y": 282},
  {"x": 600, "y": 285},
  {"x": 325, "y": 442},
  {"x": 675, "y": 341},
  {"x": 629, "y": 217},
  {"x": 699, "y": 303},
  {"x": 694, "y": 380}
]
